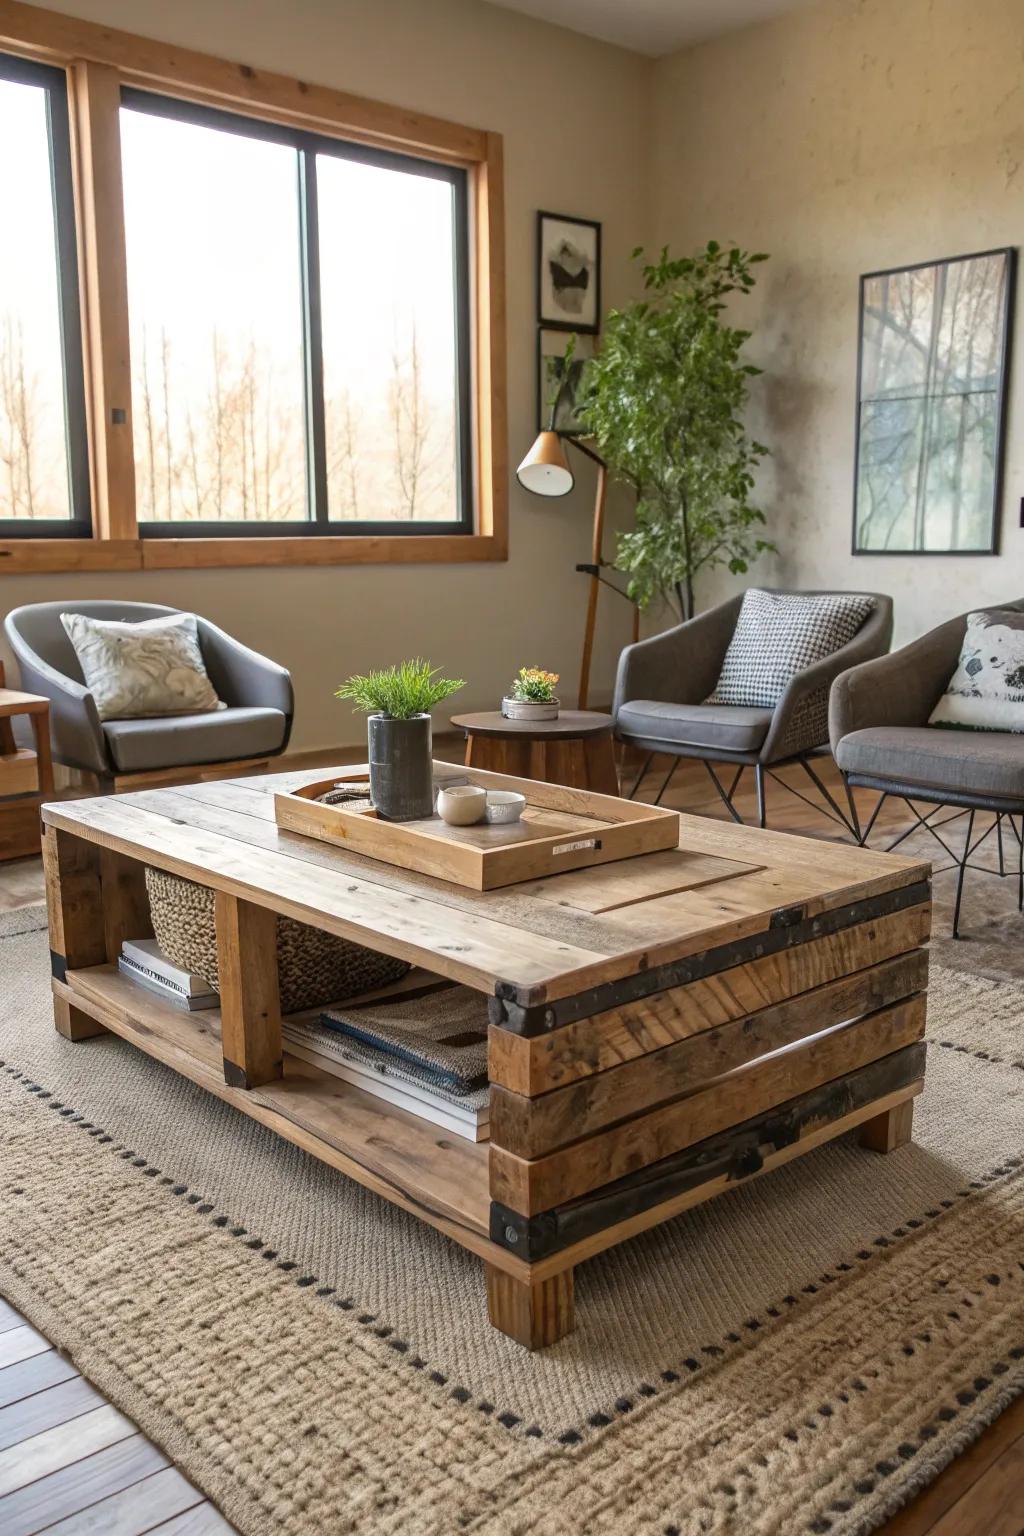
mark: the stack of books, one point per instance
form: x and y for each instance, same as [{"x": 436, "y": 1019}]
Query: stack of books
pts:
[
  {"x": 142, "y": 961},
  {"x": 425, "y": 1052}
]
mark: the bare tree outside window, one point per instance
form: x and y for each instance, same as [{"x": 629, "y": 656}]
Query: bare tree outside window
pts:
[
  {"x": 390, "y": 373},
  {"x": 211, "y": 223},
  {"x": 931, "y": 404},
  {"x": 227, "y": 371},
  {"x": 33, "y": 445}
]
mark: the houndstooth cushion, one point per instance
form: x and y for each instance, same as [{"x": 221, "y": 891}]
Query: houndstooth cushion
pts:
[{"x": 777, "y": 636}]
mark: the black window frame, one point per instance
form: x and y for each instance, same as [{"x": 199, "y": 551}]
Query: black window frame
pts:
[
  {"x": 308, "y": 145},
  {"x": 78, "y": 524}
]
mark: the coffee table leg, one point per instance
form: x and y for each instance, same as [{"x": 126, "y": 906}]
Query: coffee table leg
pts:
[
  {"x": 250, "y": 1007},
  {"x": 534, "y": 1314},
  {"x": 74, "y": 903},
  {"x": 890, "y": 1130}
]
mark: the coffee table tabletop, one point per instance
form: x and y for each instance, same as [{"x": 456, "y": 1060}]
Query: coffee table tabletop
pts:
[{"x": 660, "y": 1027}]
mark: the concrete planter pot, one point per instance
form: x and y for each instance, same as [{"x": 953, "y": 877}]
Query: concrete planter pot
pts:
[
  {"x": 527, "y": 709},
  {"x": 401, "y": 769}
]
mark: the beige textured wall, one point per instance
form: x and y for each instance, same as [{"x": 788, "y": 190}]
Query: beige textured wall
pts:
[
  {"x": 849, "y": 136},
  {"x": 575, "y": 115}
]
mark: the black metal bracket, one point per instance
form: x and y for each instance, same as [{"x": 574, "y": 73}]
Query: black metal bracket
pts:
[
  {"x": 787, "y": 927},
  {"x": 58, "y": 966},
  {"x": 734, "y": 1154},
  {"x": 589, "y": 569}
]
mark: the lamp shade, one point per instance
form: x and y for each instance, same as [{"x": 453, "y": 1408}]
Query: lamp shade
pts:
[{"x": 545, "y": 470}]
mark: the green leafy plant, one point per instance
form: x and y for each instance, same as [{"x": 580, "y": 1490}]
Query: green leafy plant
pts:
[
  {"x": 534, "y": 686},
  {"x": 664, "y": 401},
  {"x": 411, "y": 688}
]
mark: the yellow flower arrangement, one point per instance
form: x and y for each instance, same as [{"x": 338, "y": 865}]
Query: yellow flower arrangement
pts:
[{"x": 535, "y": 686}]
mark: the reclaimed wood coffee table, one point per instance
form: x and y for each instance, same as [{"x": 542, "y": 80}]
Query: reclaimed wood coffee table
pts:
[{"x": 662, "y": 1028}]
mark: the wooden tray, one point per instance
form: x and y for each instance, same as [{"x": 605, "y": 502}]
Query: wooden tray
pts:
[{"x": 560, "y": 829}]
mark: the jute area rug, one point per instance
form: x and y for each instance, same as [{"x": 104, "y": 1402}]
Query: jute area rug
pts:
[{"x": 798, "y": 1356}]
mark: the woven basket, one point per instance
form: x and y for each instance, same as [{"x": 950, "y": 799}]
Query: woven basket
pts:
[{"x": 313, "y": 967}]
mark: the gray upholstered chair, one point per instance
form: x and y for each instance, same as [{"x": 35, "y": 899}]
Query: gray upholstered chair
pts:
[
  {"x": 881, "y": 740},
  {"x": 662, "y": 684},
  {"x": 258, "y": 693}
]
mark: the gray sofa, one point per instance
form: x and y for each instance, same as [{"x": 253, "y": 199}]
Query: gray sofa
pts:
[
  {"x": 258, "y": 694},
  {"x": 662, "y": 683},
  {"x": 881, "y": 740}
]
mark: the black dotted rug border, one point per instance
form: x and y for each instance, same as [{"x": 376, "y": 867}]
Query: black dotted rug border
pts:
[{"x": 595, "y": 1422}]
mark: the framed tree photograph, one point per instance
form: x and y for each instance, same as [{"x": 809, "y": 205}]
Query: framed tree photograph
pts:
[
  {"x": 558, "y": 386},
  {"x": 568, "y": 273},
  {"x": 932, "y": 368}
]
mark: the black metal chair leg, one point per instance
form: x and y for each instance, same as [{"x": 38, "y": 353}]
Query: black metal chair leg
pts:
[
  {"x": 1020, "y": 865},
  {"x": 762, "y": 807},
  {"x": 999, "y": 841},
  {"x": 960, "y": 876},
  {"x": 640, "y": 776},
  {"x": 854, "y": 818},
  {"x": 882, "y": 798},
  {"x": 667, "y": 781},
  {"x": 725, "y": 798}
]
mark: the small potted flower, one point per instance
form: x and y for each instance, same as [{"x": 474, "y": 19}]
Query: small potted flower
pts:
[
  {"x": 398, "y": 702},
  {"x": 532, "y": 696}
]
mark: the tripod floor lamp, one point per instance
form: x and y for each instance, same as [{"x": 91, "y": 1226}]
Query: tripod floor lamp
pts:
[{"x": 546, "y": 472}]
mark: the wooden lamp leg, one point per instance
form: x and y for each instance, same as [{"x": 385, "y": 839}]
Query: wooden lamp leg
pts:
[
  {"x": 890, "y": 1130},
  {"x": 596, "y": 557},
  {"x": 535, "y": 1315}
]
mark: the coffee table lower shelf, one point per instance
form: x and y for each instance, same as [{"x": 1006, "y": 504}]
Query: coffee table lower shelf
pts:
[
  {"x": 443, "y": 1180},
  {"x": 410, "y": 1161}
]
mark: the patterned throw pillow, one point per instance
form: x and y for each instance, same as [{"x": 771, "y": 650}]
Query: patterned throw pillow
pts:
[
  {"x": 777, "y": 635},
  {"x": 135, "y": 671},
  {"x": 986, "y": 692}
]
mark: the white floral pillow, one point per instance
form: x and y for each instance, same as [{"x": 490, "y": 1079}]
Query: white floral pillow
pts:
[
  {"x": 134, "y": 671},
  {"x": 986, "y": 692}
]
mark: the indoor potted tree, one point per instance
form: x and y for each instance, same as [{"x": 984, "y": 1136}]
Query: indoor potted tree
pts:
[
  {"x": 532, "y": 696},
  {"x": 398, "y": 702},
  {"x": 663, "y": 402}
]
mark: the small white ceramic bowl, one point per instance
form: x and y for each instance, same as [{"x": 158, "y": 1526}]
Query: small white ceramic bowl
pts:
[
  {"x": 462, "y": 805},
  {"x": 504, "y": 805}
]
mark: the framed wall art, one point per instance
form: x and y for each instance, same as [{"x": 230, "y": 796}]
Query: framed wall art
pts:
[
  {"x": 556, "y": 393},
  {"x": 568, "y": 273},
  {"x": 932, "y": 370}
]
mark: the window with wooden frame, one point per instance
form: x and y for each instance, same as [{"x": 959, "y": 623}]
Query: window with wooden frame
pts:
[
  {"x": 292, "y": 310},
  {"x": 44, "y": 462}
]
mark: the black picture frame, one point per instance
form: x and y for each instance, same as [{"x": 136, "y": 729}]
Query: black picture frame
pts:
[
  {"x": 991, "y": 545},
  {"x": 552, "y": 315},
  {"x": 565, "y": 422}
]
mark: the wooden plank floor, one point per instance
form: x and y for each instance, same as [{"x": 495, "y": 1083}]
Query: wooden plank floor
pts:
[
  {"x": 70, "y": 1464},
  {"x": 76, "y": 1467}
]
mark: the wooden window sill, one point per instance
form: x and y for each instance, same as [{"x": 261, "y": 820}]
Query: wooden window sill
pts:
[{"x": 20, "y": 556}]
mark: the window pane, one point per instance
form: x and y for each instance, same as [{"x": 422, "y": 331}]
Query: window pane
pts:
[
  {"x": 215, "y": 308},
  {"x": 390, "y": 373},
  {"x": 33, "y": 438}
]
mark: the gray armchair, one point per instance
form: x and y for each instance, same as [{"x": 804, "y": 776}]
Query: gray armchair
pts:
[
  {"x": 662, "y": 684},
  {"x": 258, "y": 693},
  {"x": 881, "y": 740}
]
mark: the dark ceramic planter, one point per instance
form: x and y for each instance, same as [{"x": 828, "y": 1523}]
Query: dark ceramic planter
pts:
[{"x": 401, "y": 770}]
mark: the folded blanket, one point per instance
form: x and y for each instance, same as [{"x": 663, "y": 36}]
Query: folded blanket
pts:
[{"x": 436, "y": 1037}]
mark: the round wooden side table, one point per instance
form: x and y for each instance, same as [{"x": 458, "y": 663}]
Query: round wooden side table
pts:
[{"x": 576, "y": 749}]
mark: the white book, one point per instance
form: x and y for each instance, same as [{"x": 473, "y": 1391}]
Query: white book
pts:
[
  {"x": 472, "y": 1125},
  {"x": 147, "y": 955},
  {"x": 142, "y": 977}
]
